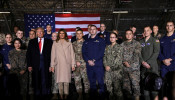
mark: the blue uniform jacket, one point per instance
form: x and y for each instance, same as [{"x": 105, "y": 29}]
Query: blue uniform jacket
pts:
[
  {"x": 4, "y": 52},
  {"x": 167, "y": 50},
  {"x": 93, "y": 49},
  {"x": 106, "y": 37},
  {"x": 48, "y": 36}
]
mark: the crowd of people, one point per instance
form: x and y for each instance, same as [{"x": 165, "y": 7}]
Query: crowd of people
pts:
[{"x": 102, "y": 66}]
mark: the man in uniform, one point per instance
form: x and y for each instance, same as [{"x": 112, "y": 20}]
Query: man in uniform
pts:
[
  {"x": 156, "y": 33},
  {"x": 149, "y": 53},
  {"x": 167, "y": 57},
  {"x": 48, "y": 34},
  {"x": 131, "y": 73},
  {"x": 93, "y": 52},
  {"x": 106, "y": 34},
  {"x": 80, "y": 70},
  {"x": 87, "y": 36}
]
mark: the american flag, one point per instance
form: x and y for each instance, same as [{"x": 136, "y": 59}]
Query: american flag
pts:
[
  {"x": 71, "y": 21},
  {"x": 33, "y": 21},
  {"x": 67, "y": 21}
]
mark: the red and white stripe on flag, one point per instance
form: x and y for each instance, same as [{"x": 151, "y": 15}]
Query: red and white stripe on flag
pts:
[{"x": 70, "y": 21}]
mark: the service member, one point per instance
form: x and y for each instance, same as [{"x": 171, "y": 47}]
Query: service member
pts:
[
  {"x": 93, "y": 52},
  {"x": 149, "y": 53},
  {"x": 131, "y": 77},
  {"x": 80, "y": 70},
  {"x": 114, "y": 68}
]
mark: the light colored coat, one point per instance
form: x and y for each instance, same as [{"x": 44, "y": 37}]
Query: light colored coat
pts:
[{"x": 62, "y": 59}]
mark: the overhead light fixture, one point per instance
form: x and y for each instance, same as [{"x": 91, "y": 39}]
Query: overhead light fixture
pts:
[
  {"x": 63, "y": 12},
  {"x": 120, "y": 12},
  {"x": 4, "y": 12},
  {"x": 171, "y": 10}
]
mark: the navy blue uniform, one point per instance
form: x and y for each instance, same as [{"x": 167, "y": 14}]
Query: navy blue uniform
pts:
[
  {"x": 106, "y": 37},
  {"x": 48, "y": 36},
  {"x": 4, "y": 51},
  {"x": 93, "y": 49},
  {"x": 167, "y": 50}
]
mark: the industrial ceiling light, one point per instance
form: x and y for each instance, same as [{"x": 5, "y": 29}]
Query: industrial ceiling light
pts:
[
  {"x": 4, "y": 12},
  {"x": 120, "y": 12},
  {"x": 63, "y": 12},
  {"x": 171, "y": 10}
]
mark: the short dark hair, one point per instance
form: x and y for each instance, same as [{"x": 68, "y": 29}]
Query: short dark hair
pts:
[
  {"x": 147, "y": 26},
  {"x": 31, "y": 31},
  {"x": 155, "y": 25},
  {"x": 79, "y": 30},
  {"x": 170, "y": 21},
  {"x": 133, "y": 26},
  {"x": 94, "y": 26},
  {"x": 129, "y": 30},
  {"x": 89, "y": 25},
  {"x": 8, "y": 34},
  {"x": 48, "y": 25},
  {"x": 114, "y": 34}
]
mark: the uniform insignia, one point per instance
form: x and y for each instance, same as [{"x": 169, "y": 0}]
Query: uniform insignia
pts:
[
  {"x": 3, "y": 49},
  {"x": 162, "y": 42},
  {"x": 157, "y": 40},
  {"x": 96, "y": 41},
  {"x": 143, "y": 44},
  {"x": 173, "y": 40},
  {"x": 148, "y": 43}
]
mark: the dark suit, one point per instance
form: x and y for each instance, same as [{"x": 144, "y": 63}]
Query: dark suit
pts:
[
  {"x": 73, "y": 38},
  {"x": 106, "y": 37},
  {"x": 86, "y": 36},
  {"x": 40, "y": 64}
]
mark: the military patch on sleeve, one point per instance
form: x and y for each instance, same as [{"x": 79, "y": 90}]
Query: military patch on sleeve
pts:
[{"x": 157, "y": 40}]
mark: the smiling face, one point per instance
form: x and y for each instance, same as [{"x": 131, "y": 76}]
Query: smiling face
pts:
[
  {"x": 19, "y": 34},
  {"x": 62, "y": 35},
  {"x": 40, "y": 32},
  {"x": 79, "y": 35},
  {"x": 147, "y": 31},
  {"x": 54, "y": 36}
]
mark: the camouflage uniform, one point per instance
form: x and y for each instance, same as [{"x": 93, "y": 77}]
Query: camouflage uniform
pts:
[
  {"x": 80, "y": 72},
  {"x": 17, "y": 60},
  {"x": 113, "y": 77},
  {"x": 2, "y": 38},
  {"x": 131, "y": 78}
]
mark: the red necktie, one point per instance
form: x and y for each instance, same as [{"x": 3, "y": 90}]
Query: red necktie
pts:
[{"x": 40, "y": 44}]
